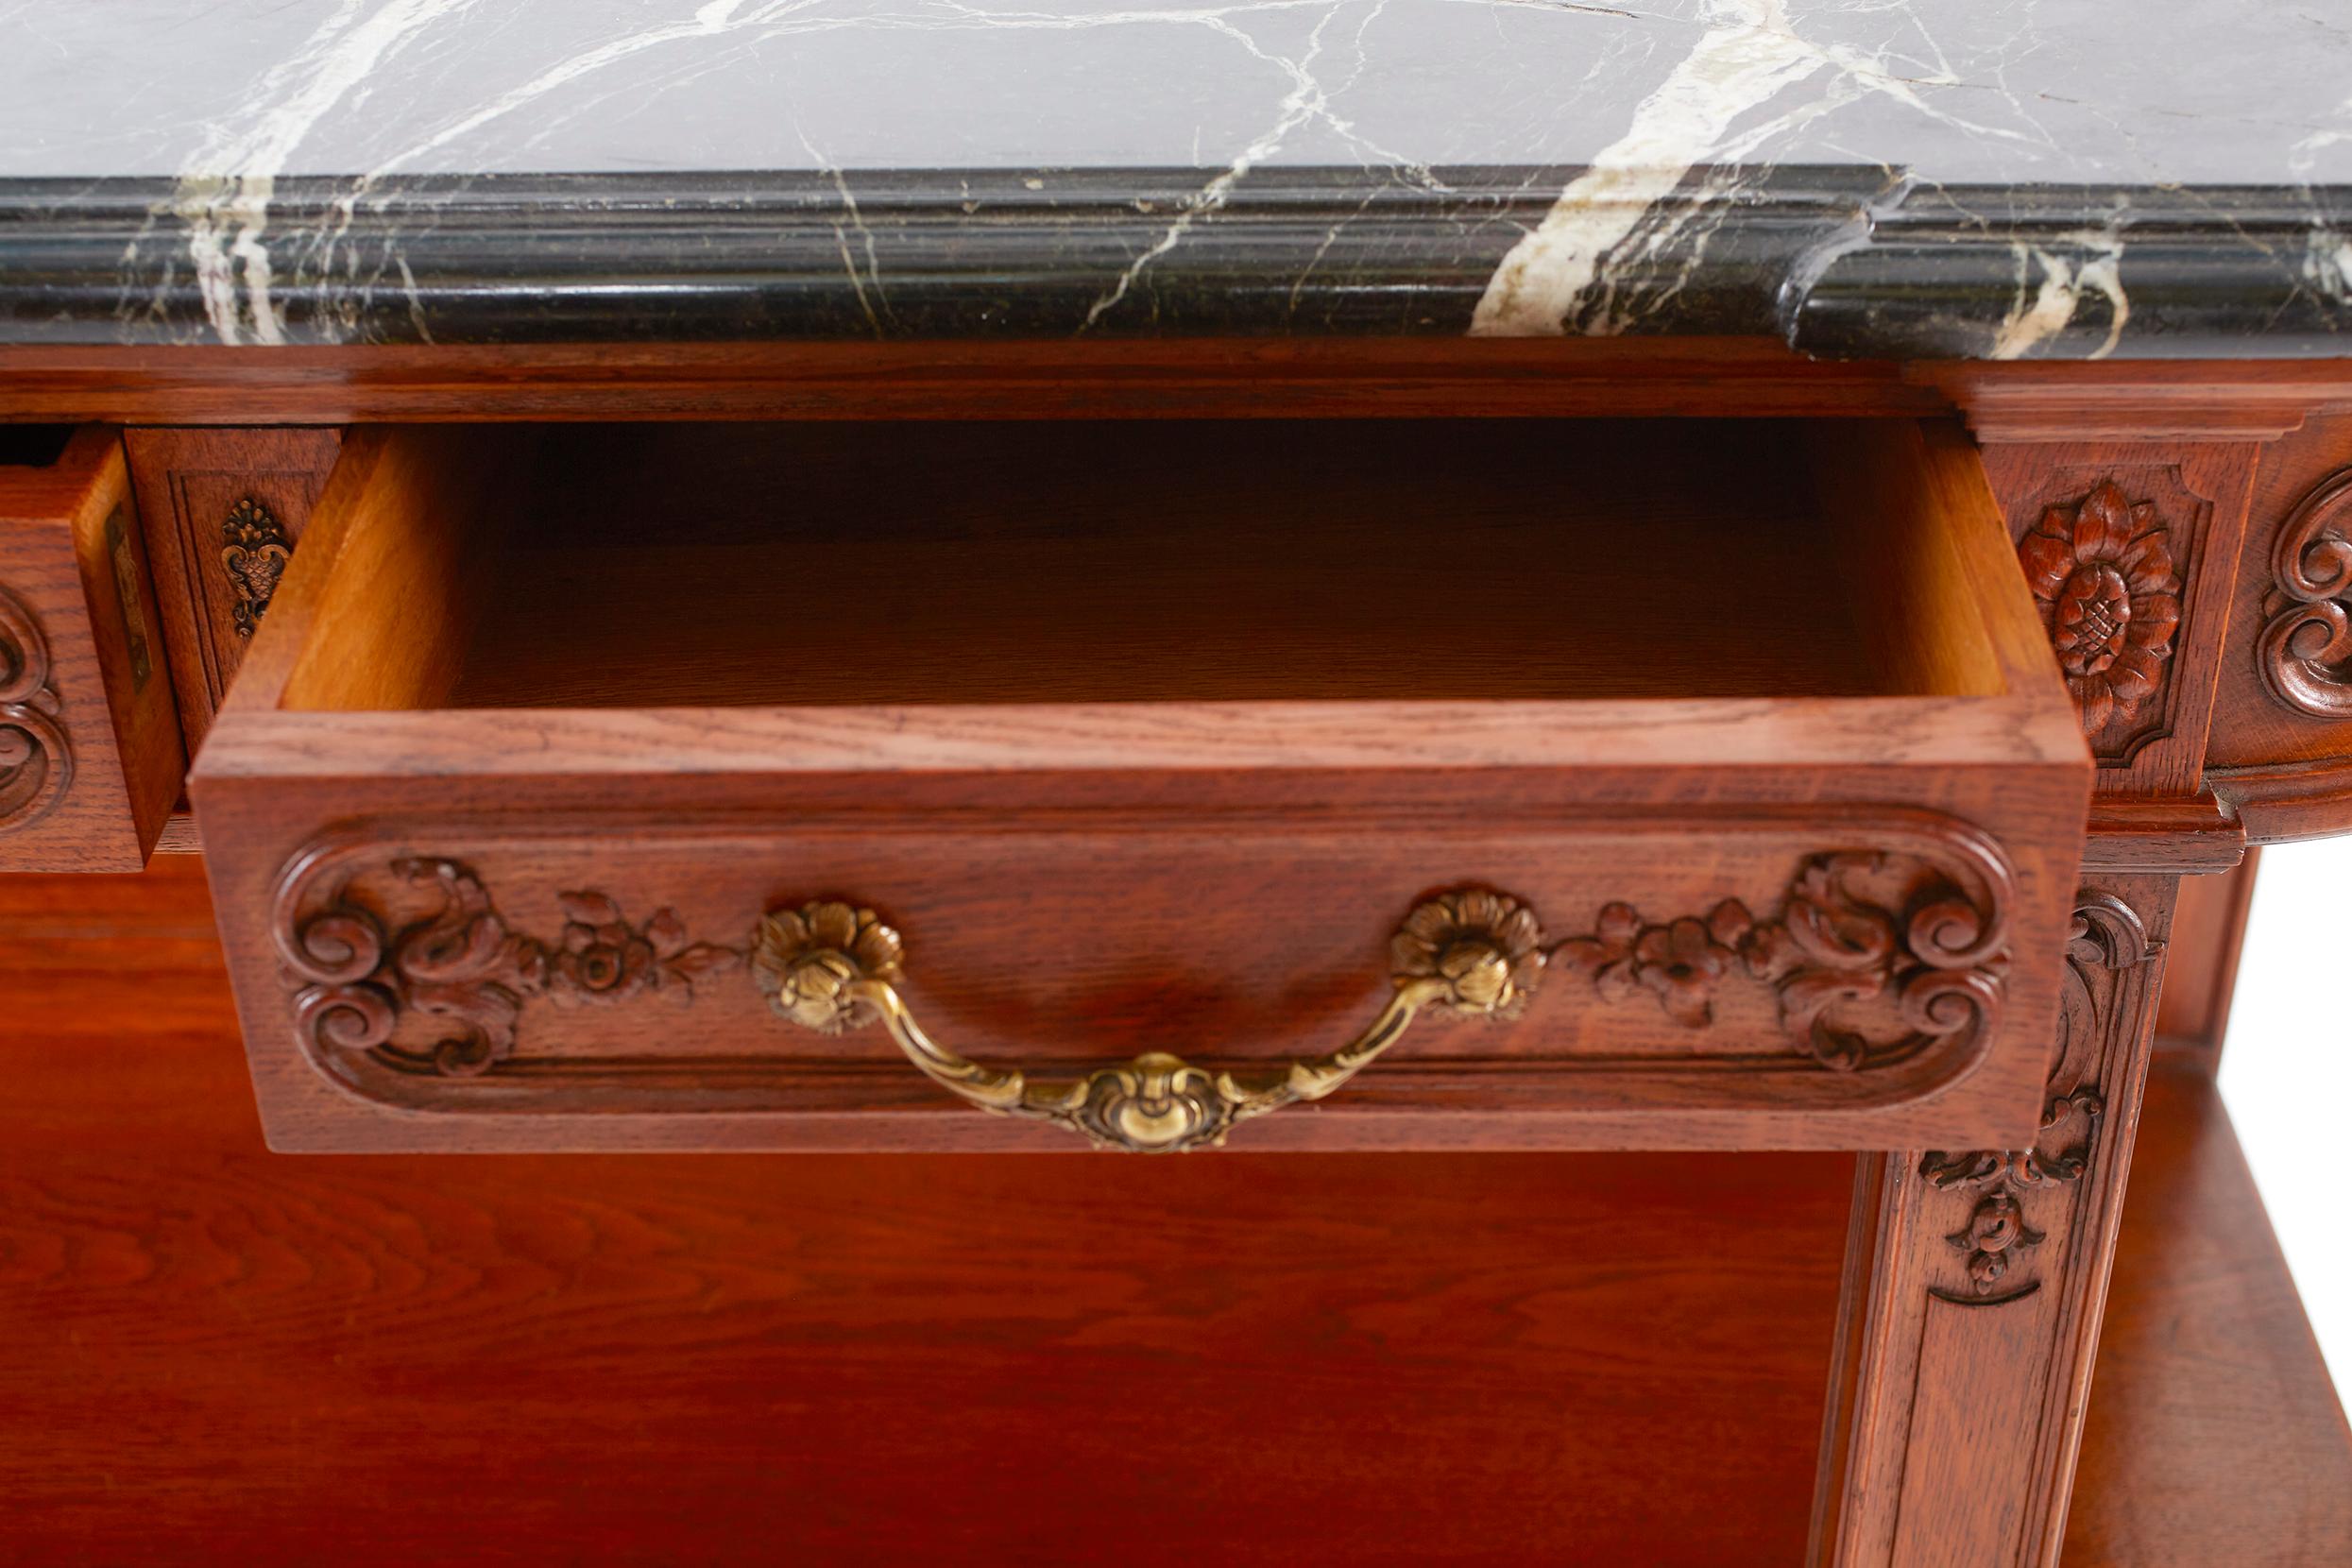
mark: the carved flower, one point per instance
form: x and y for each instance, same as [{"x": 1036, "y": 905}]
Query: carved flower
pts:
[
  {"x": 1995, "y": 1229},
  {"x": 809, "y": 959},
  {"x": 1485, "y": 945},
  {"x": 600, "y": 957},
  {"x": 1679, "y": 962},
  {"x": 2102, "y": 571}
]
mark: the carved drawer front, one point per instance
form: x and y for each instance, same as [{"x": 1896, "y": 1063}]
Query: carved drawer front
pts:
[
  {"x": 91, "y": 759},
  {"x": 1151, "y": 786}
]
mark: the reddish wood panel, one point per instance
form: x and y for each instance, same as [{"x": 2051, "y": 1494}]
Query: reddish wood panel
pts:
[
  {"x": 222, "y": 510},
  {"x": 1378, "y": 1359},
  {"x": 90, "y": 758},
  {"x": 2214, "y": 1435},
  {"x": 2201, "y": 966}
]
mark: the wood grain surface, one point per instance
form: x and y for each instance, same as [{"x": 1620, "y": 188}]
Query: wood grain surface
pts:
[
  {"x": 2201, "y": 969},
  {"x": 2214, "y": 1436},
  {"x": 218, "y": 1354}
]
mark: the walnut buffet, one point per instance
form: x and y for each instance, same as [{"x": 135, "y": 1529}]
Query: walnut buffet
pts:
[{"x": 1593, "y": 647}]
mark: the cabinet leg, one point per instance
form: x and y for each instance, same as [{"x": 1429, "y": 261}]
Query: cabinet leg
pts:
[{"x": 1974, "y": 1284}]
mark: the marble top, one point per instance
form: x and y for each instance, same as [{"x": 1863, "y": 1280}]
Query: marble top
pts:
[
  {"x": 266, "y": 171},
  {"x": 2138, "y": 92}
]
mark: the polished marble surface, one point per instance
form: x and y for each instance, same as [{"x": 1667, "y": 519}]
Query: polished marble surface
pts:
[
  {"x": 260, "y": 172},
  {"x": 1968, "y": 90}
]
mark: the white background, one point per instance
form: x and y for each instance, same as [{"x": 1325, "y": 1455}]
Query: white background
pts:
[{"x": 2287, "y": 1074}]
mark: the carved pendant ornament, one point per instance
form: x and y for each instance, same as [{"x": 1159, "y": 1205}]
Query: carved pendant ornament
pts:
[
  {"x": 36, "y": 764},
  {"x": 254, "y": 553},
  {"x": 1998, "y": 1232},
  {"x": 2305, "y": 652},
  {"x": 2103, "y": 575},
  {"x": 1870, "y": 959}
]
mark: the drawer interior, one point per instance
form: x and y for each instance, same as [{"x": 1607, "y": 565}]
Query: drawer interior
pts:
[{"x": 1073, "y": 561}]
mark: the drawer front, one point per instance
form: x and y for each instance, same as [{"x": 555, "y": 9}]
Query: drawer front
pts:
[
  {"x": 1725, "y": 969},
  {"x": 90, "y": 758},
  {"x": 1800, "y": 906}
]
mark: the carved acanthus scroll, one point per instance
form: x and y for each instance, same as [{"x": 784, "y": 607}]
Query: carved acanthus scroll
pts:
[
  {"x": 1997, "y": 1231},
  {"x": 468, "y": 974},
  {"x": 35, "y": 760},
  {"x": 2305, "y": 652},
  {"x": 1871, "y": 955}
]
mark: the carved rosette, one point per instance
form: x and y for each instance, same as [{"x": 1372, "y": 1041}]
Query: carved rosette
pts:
[
  {"x": 1997, "y": 1232},
  {"x": 2305, "y": 651},
  {"x": 36, "y": 761},
  {"x": 1872, "y": 956},
  {"x": 441, "y": 994},
  {"x": 253, "y": 556},
  {"x": 2103, "y": 576}
]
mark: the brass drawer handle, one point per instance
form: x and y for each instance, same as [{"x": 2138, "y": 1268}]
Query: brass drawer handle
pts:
[{"x": 832, "y": 966}]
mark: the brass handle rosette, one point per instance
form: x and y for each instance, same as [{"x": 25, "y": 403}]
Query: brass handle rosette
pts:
[{"x": 831, "y": 966}]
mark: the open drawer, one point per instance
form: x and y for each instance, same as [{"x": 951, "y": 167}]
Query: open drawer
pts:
[{"x": 1328, "y": 784}]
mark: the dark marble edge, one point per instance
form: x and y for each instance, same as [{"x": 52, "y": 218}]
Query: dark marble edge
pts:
[{"x": 1836, "y": 261}]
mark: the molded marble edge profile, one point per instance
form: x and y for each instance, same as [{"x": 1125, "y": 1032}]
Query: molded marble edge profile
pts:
[{"x": 1836, "y": 261}]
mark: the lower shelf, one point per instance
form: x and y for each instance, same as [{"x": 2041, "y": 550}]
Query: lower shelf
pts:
[{"x": 2213, "y": 1435}]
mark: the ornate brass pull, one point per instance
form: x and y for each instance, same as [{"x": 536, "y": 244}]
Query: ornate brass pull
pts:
[{"x": 831, "y": 966}]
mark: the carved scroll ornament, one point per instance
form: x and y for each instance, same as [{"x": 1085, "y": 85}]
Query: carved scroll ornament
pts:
[
  {"x": 2305, "y": 652},
  {"x": 1997, "y": 1231},
  {"x": 36, "y": 761},
  {"x": 2103, "y": 575},
  {"x": 1870, "y": 959},
  {"x": 464, "y": 970}
]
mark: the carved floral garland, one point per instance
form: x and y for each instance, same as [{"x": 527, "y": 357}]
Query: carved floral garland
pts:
[{"x": 1872, "y": 956}]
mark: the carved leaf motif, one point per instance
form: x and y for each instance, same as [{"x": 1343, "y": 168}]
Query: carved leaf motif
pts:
[{"x": 2104, "y": 575}]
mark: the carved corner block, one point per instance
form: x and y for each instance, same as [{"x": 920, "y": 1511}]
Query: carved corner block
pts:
[{"x": 2131, "y": 552}]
